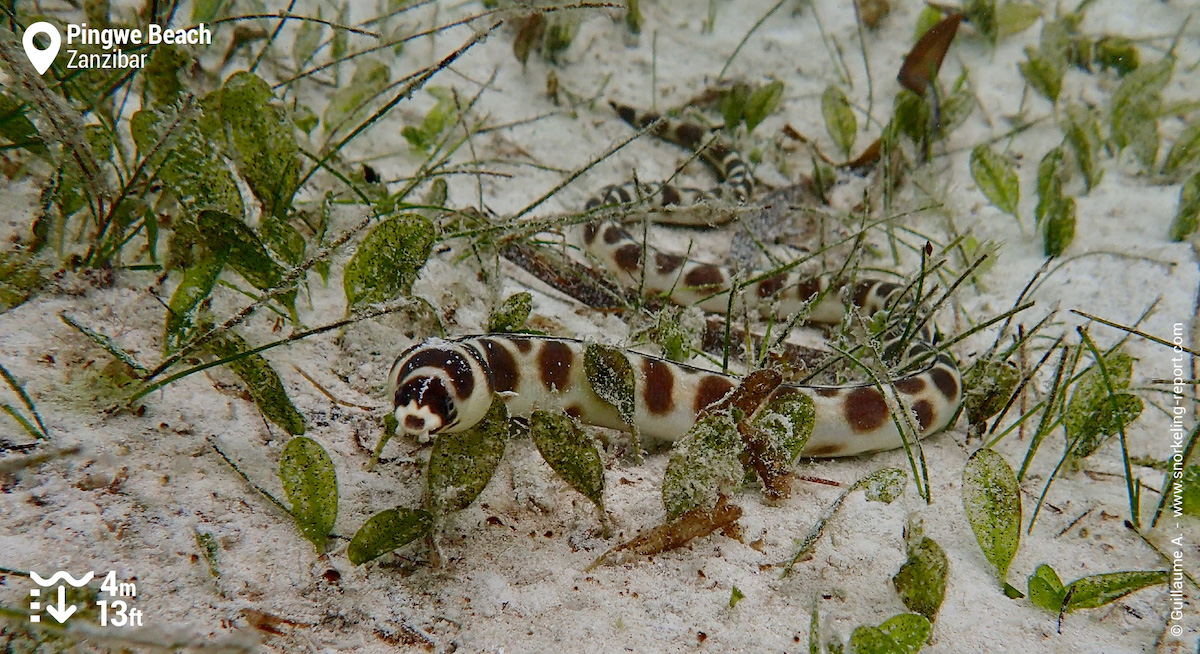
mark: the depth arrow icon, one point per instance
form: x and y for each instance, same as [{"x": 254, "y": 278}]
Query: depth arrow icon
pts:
[{"x": 63, "y": 610}]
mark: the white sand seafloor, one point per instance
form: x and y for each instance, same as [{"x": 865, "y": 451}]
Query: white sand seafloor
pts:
[{"x": 513, "y": 577}]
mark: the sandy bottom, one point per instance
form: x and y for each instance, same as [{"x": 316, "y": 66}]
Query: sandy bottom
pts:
[{"x": 513, "y": 578}]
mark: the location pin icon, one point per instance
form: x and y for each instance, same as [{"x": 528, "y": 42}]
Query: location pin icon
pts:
[{"x": 41, "y": 59}]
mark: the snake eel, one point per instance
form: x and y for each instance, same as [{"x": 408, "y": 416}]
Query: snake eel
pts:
[{"x": 447, "y": 386}]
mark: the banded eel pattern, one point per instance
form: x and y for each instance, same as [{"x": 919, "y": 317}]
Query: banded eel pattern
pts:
[
  {"x": 444, "y": 386},
  {"x": 447, "y": 386},
  {"x": 686, "y": 281}
]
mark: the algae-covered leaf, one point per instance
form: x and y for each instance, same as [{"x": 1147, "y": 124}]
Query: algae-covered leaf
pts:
[
  {"x": 1050, "y": 178},
  {"x": 282, "y": 239},
  {"x": 511, "y": 315},
  {"x": 870, "y": 640},
  {"x": 1016, "y": 17},
  {"x": 1091, "y": 415},
  {"x": 996, "y": 178},
  {"x": 1098, "y": 590},
  {"x": 1083, "y": 133},
  {"x": 884, "y": 485},
  {"x": 186, "y": 160},
  {"x": 388, "y": 260},
  {"x": 1185, "y": 151},
  {"x": 1109, "y": 417},
  {"x": 162, "y": 73},
  {"x": 992, "y": 500},
  {"x": 208, "y": 549},
  {"x": 989, "y": 383},
  {"x": 15, "y": 126},
  {"x": 921, "y": 580},
  {"x": 762, "y": 101},
  {"x": 262, "y": 141},
  {"x": 461, "y": 464},
  {"x": 901, "y": 634},
  {"x": 1058, "y": 227},
  {"x": 441, "y": 116},
  {"x": 839, "y": 117},
  {"x": 370, "y": 78},
  {"x": 245, "y": 252},
  {"x": 310, "y": 483},
  {"x": 788, "y": 421},
  {"x": 909, "y": 631},
  {"x": 386, "y": 531},
  {"x": 1187, "y": 216},
  {"x": 1136, "y": 105},
  {"x": 982, "y": 14},
  {"x": 197, "y": 284},
  {"x": 1046, "y": 589},
  {"x": 610, "y": 375},
  {"x": 261, "y": 380},
  {"x": 705, "y": 464},
  {"x": 1044, "y": 72},
  {"x": 570, "y": 452}
]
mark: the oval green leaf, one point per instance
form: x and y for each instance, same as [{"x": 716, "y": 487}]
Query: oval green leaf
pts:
[
  {"x": 512, "y": 314},
  {"x": 197, "y": 284},
  {"x": 310, "y": 483},
  {"x": 909, "y": 631},
  {"x": 884, "y": 485},
  {"x": 1083, "y": 134},
  {"x": 921, "y": 581},
  {"x": 705, "y": 463},
  {"x": 996, "y": 178},
  {"x": 388, "y": 261},
  {"x": 386, "y": 531},
  {"x": 839, "y": 117},
  {"x": 610, "y": 375},
  {"x": 1050, "y": 177},
  {"x": 761, "y": 103},
  {"x": 1185, "y": 150},
  {"x": 1098, "y": 590},
  {"x": 992, "y": 500},
  {"x": 569, "y": 451},
  {"x": 1046, "y": 589},
  {"x": 261, "y": 380},
  {"x": 1187, "y": 216},
  {"x": 1043, "y": 72},
  {"x": 1016, "y": 17},
  {"x": 245, "y": 253},
  {"x": 902, "y": 634},
  {"x": 262, "y": 141},
  {"x": 461, "y": 464},
  {"x": 1136, "y": 105},
  {"x": 1059, "y": 227}
]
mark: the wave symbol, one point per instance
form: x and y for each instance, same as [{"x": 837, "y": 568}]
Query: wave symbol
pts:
[{"x": 61, "y": 574}]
